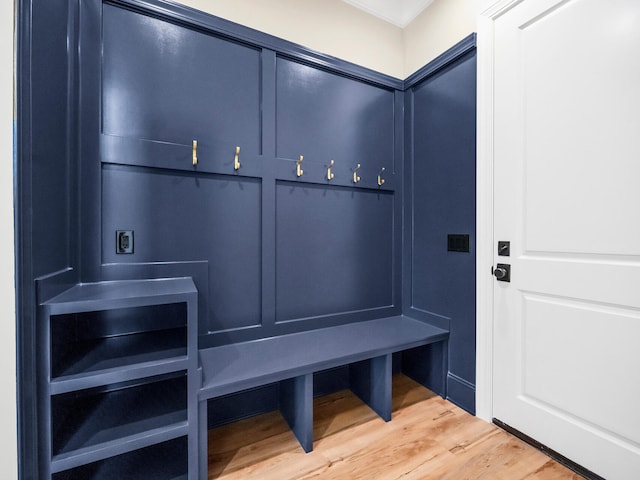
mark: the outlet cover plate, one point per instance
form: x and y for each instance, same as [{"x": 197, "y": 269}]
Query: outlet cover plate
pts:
[{"x": 124, "y": 241}]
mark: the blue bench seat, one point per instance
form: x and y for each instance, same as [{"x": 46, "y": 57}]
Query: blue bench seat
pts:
[{"x": 366, "y": 346}]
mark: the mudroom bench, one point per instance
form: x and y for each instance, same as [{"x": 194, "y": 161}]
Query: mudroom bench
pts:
[
  {"x": 366, "y": 347},
  {"x": 127, "y": 383}
]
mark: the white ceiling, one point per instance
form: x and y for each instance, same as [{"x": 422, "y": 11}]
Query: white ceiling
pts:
[{"x": 397, "y": 12}]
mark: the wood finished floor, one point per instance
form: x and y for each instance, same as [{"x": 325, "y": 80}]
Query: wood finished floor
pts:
[{"x": 428, "y": 438}]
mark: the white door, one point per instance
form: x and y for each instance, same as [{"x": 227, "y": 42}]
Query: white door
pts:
[{"x": 567, "y": 197}]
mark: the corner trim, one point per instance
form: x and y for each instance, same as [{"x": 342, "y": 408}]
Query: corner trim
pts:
[{"x": 464, "y": 46}]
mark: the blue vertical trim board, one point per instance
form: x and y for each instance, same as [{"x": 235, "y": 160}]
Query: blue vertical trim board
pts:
[{"x": 27, "y": 404}]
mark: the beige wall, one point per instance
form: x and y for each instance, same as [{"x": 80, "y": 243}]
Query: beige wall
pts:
[
  {"x": 340, "y": 30},
  {"x": 328, "y": 26},
  {"x": 8, "y": 438},
  {"x": 436, "y": 29}
]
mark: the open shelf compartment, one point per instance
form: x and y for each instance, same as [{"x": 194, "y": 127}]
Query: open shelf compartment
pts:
[
  {"x": 91, "y": 343},
  {"x": 94, "y": 424},
  {"x": 164, "y": 461}
]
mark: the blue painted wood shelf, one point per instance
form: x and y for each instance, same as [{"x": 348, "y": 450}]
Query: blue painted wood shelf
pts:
[{"x": 123, "y": 357}]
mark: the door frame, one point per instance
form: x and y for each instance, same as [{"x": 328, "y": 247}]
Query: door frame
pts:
[{"x": 489, "y": 11}]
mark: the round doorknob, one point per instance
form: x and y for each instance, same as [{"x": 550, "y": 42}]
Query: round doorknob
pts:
[{"x": 500, "y": 273}]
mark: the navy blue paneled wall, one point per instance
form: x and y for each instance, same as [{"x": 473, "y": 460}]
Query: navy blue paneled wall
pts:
[
  {"x": 440, "y": 189},
  {"x": 198, "y": 137},
  {"x": 107, "y": 144}
]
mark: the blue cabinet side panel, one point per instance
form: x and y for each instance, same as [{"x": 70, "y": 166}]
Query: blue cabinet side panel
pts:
[
  {"x": 325, "y": 116},
  {"x": 188, "y": 217},
  {"x": 165, "y": 82},
  {"x": 443, "y": 185},
  {"x": 334, "y": 250}
]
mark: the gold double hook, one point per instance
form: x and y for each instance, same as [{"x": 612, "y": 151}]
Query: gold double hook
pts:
[
  {"x": 356, "y": 177},
  {"x": 380, "y": 179},
  {"x": 236, "y": 161},
  {"x": 299, "y": 170},
  {"x": 330, "y": 174},
  {"x": 195, "y": 153}
]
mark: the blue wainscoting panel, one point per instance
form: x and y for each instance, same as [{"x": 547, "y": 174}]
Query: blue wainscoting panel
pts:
[
  {"x": 334, "y": 250},
  {"x": 179, "y": 216},
  {"x": 325, "y": 116},
  {"x": 169, "y": 83}
]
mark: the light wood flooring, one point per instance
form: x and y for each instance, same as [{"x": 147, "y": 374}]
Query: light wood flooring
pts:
[{"x": 428, "y": 438}]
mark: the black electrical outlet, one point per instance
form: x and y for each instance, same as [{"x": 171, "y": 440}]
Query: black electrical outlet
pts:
[
  {"x": 458, "y": 243},
  {"x": 124, "y": 241}
]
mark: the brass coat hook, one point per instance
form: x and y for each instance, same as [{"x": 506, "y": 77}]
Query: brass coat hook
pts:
[
  {"x": 330, "y": 174},
  {"x": 380, "y": 179},
  {"x": 299, "y": 170},
  {"x": 356, "y": 178},
  {"x": 236, "y": 162},
  {"x": 195, "y": 153}
]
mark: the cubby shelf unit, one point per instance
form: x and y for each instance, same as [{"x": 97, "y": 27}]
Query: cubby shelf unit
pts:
[{"x": 119, "y": 371}]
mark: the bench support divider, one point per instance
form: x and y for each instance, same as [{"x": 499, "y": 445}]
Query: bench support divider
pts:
[
  {"x": 296, "y": 405},
  {"x": 371, "y": 381}
]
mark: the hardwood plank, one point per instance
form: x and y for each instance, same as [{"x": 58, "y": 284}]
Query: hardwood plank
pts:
[
  {"x": 428, "y": 437},
  {"x": 553, "y": 469},
  {"x": 237, "y": 446},
  {"x": 338, "y": 411}
]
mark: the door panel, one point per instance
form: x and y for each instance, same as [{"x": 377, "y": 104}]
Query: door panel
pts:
[
  {"x": 566, "y": 196},
  {"x": 578, "y": 147},
  {"x": 549, "y": 360}
]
